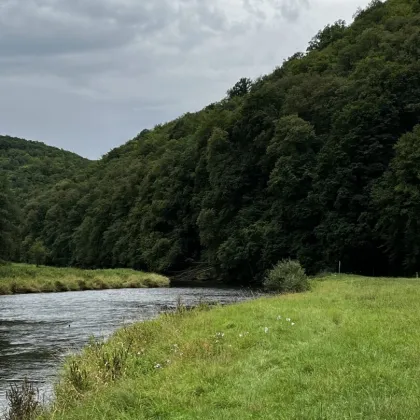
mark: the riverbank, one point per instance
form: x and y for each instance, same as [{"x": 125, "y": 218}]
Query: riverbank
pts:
[
  {"x": 25, "y": 278},
  {"x": 347, "y": 349}
]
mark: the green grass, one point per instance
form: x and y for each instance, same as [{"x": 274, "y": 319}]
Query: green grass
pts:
[
  {"x": 352, "y": 353},
  {"x": 23, "y": 278}
]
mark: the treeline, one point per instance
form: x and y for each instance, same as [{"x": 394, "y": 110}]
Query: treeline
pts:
[{"x": 318, "y": 161}]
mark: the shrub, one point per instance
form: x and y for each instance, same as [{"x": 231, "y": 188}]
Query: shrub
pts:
[
  {"x": 287, "y": 276},
  {"x": 78, "y": 376},
  {"x": 23, "y": 400}
]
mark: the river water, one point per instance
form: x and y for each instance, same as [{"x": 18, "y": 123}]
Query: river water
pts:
[{"x": 37, "y": 331}]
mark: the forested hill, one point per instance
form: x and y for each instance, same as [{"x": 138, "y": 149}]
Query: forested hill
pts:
[
  {"x": 32, "y": 167},
  {"x": 318, "y": 161}
]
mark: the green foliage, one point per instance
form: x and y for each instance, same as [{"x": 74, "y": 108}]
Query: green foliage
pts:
[
  {"x": 287, "y": 276},
  {"x": 9, "y": 218},
  {"x": 38, "y": 253},
  {"x": 397, "y": 199},
  {"x": 241, "y": 88},
  {"x": 298, "y": 164},
  {"x": 31, "y": 167},
  {"x": 327, "y": 36}
]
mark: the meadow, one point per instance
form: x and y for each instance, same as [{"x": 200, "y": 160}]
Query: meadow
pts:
[
  {"x": 25, "y": 278},
  {"x": 347, "y": 349}
]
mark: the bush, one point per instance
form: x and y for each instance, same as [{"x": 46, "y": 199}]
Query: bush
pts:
[
  {"x": 287, "y": 276},
  {"x": 23, "y": 400}
]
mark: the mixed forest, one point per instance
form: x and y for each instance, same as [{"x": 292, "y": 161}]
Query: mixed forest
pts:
[{"x": 318, "y": 161}]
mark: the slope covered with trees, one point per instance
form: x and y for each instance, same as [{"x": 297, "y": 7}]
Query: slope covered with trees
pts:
[
  {"x": 317, "y": 161},
  {"x": 26, "y": 169},
  {"x": 32, "y": 167}
]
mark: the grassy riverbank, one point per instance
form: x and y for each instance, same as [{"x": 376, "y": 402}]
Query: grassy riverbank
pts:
[
  {"x": 24, "y": 278},
  {"x": 349, "y": 350}
]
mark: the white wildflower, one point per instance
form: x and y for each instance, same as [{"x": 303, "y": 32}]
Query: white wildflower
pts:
[
  {"x": 293, "y": 324},
  {"x": 241, "y": 335},
  {"x": 279, "y": 318},
  {"x": 158, "y": 366},
  {"x": 266, "y": 330},
  {"x": 288, "y": 319}
]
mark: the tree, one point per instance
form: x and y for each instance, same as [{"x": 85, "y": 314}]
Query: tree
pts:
[
  {"x": 397, "y": 200},
  {"x": 241, "y": 88},
  {"x": 8, "y": 221},
  {"x": 292, "y": 153},
  {"x": 38, "y": 253},
  {"x": 328, "y": 35}
]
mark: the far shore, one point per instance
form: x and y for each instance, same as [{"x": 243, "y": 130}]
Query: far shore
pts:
[{"x": 25, "y": 278}]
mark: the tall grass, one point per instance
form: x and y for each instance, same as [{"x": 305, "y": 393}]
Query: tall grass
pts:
[
  {"x": 346, "y": 350},
  {"x": 23, "y": 402},
  {"x": 24, "y": 278}
]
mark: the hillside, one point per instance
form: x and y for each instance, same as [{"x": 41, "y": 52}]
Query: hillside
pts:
[
  {"x": 317, "y": 161},
  {"x": 32, "y": 167}
]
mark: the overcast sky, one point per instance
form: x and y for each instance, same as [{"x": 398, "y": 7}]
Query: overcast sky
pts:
[{"x": 88, "y": 75}]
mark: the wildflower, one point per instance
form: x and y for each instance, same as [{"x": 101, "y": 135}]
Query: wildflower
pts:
[
  {"x": 293, "y": 324},
  {"x": 220, "y": 334},
  {"x": 168, "y": 362},
  {"x": 241, "y": 335},
  {"x": 266, "y": 330},
  {"x": 288, "y": 319},
  {"x": 158, "y": 366},
  {"x": 279, "y": 318}
]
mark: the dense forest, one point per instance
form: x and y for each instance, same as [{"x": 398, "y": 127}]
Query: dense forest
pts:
[
  {"x": 318, "y": 161},
  {"x": 27, "y": 168},
  {"x": 32, "y": 167}
]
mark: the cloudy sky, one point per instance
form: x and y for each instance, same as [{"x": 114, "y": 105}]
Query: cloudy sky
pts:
[{"x": 88, "y": 75}]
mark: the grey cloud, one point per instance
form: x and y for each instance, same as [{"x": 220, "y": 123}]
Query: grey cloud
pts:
[
  {"x": 291, "y": 9},
  {"x": 37, "y": 27},
  {"x": 288, "y": 9},
  {"x": 34, "y": 27},
  {"x": 87, "y": 75}
]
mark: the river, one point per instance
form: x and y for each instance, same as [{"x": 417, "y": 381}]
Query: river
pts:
[{"x": 38, "y": 330}]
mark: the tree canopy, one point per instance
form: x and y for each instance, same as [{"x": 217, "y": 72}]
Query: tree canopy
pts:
[
  {"x": 8, "y": 222},
  {"x": 31, "y": 167}
]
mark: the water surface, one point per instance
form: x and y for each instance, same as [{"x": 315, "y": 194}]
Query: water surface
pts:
[{"x": 38, "y": 330}]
